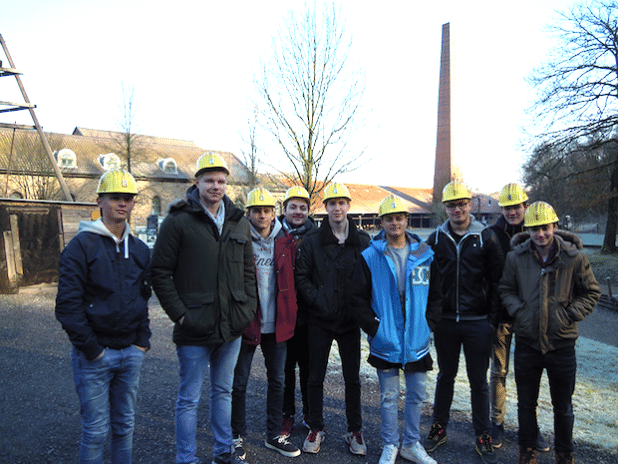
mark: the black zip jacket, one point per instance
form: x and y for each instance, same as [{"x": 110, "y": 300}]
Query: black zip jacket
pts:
[
  {"x": 324, "y": 270},
  {"x": 470, "y": 272}
]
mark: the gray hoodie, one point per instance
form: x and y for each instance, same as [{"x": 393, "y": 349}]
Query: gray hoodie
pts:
[
  {"x": 264, "y": 256},
  {"x": 97, "y": 227}
]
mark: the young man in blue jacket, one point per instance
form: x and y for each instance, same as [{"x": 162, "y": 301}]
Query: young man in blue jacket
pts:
[
  {"x": 391, "y": 286},
  {"x": 103, "y": 291}
]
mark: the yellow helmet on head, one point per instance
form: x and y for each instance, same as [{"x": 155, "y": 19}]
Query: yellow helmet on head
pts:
[
  {"x": 336, "y": 190},
  {"x": 511, "y": 195},
  {"x": 210, "y": 161},
  {"x": 455, "y": 191},
  {"x": 392, "y": 204},
  {"x": 296, "y": 192},
  {"x": 117, "y": 181},
  {"x": 540, "y": 214},
  {"x": 260, "y": 197}
]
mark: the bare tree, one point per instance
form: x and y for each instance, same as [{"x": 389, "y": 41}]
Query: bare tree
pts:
[
  {"x": 251, "y": 156},
  {"x": 29, "y": 171},
  {"x": 311, "y": 98},
  {"x": 577, "y": 101}
]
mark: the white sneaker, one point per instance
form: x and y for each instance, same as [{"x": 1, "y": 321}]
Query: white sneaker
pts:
[
  {"x": 389, "y": 454},
  {"x": 416, "y": 453},
  {"x": 356, "y": 442},
  {"x": 313, "y": 441}
]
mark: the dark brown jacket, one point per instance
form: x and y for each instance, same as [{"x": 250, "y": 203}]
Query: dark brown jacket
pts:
[{"x": 546, "y": 303}]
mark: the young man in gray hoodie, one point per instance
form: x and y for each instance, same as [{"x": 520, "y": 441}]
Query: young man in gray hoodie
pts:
[{"x": 274, "y": 254}]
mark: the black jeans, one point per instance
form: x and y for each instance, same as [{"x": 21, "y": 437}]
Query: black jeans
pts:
[
  {"x": 561, "y": 366},
  {"x": 320, "y": 342},
  {"x": 298, "y": 352},
  {"x": 476, "y": 338}
]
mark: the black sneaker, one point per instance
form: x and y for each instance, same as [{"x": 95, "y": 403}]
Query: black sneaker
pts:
[
  {"x": 497, "y": 434},
  {"x": 229, "y": 458},
  {"x": 281, "y": 444},
  {"x": 541, "y": 443},
  {"x": 485, "y": 449},
  {"x": 436, "y": 437},
  {"x": 239, "y": 447}
]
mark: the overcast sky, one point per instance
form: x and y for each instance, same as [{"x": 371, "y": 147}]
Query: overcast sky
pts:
[{"x": 192, "y": 63}]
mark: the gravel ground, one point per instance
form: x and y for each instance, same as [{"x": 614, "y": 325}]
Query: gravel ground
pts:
[{"x": 40, "y": 423}]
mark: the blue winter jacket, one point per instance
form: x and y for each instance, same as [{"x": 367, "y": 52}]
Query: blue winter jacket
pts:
[
  {"x": 396, "y": 335},
  {"x": 103, "y": 290}
]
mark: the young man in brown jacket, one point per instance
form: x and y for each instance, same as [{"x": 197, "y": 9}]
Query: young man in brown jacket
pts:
[{"x": 547, "y": 287}]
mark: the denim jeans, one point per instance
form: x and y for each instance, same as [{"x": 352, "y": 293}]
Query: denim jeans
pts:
[
  {"x": 274, "y": 359},
  {"x": 561, "y": 366},
  {"x": 195, "y": 361},
  {"x": 476, "y": 338},
  {"x": 298, "y": 352},
  {"x": 389, "y": 405},
  {"x": 107, "y": 391},
  {"x": 500, "y": 356},
  {"x": 320, "y": 342}
]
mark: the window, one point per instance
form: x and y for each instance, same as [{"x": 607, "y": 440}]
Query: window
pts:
[
  {"x": 109, "y": 161},
  {"x": 16, "y": 196},
  {"x": 168, "y": 165},
  {"x": 156, "y": 205},
  {"x": 66, "y": 159}
]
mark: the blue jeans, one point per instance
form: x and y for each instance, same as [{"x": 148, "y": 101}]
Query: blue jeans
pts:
[
  {"x": 320, "y": 342},
  {"x": 107, "y": 391},
  {"x": 476, "y": 338},
  {"x": 561, "y": 366},
  {"x": 389, "y": 405},
  {"x": 195, "y": 361},
  {"x": 274, "y": 359}
]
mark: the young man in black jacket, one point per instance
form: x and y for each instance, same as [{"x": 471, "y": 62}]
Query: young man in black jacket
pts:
[
  {"x": 324, "y": 270},
  {"x": 513, "y": 201},
  {"x": 469, "y": 261}
]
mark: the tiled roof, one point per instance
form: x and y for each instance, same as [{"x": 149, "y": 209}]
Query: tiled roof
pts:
[{"x": 88, "y": 144}]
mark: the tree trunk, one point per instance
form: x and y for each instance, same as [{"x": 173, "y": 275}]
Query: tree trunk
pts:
[{"x": 609, "y": 242}]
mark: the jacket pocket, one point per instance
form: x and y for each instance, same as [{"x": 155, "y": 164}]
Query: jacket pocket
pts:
[
  {"x": 241, "y": 314},
  {"x": 200, "y": 318}
]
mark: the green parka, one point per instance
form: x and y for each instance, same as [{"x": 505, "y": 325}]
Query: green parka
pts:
[
  {"x": 207, "y": 277},
  {"x": 546, "y": 303}
]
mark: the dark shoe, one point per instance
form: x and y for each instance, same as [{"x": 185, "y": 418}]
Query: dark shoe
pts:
[
  {"x": 497, "y": 435},
  {"x": 541, "y": 443},
  {"x": 527, "y": 456},
  {"x": 565, "y": 457},
  {"x": 436, "y": 437},
  {"x": 281, "y": 444},
  {"x": 239, "y": 447},
  {"x": 485, "y": 449},
  {"x": 229, "y": 458},
  {"x": 287, "y": 424}
]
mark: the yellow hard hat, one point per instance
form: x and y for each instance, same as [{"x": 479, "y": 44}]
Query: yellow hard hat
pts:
[
  {"x": 511, "y": 195},
  {"x": 455, "y": 191},
  {"x": 296, "y": 192},
  {"x": 336, "y": 190},
  {"x": 260, "y": 197},
  {"x": 539, "y": 214},
  {"x": 392, "y": 204},
  {"x": 209, "y": 161},
  {"x": 117, "y": 181}
]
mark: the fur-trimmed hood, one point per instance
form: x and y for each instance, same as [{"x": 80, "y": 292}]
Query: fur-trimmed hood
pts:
[{"x": 568, "y": 242}]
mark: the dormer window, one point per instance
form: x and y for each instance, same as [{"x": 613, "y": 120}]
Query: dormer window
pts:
[
  {"x": 168, "y": 165},
  {"x": 109, "y": 161},
  {"x": 66, "y": 159}
]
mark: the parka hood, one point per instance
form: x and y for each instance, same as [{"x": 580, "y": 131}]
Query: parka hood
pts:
[
  {"x": 568, "y": 242},
  {"x": 97, "y": 227}
]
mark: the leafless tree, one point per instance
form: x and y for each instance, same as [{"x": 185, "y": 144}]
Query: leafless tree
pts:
[
  {"x": 310, "y": 93},
  {"x": 251, "y": 155},
  {"x": 29, "y": 171},
  {"x": 577, "y": 100}
]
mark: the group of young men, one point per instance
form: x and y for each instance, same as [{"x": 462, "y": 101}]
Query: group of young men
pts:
[{"x": 231, "y": 280}]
